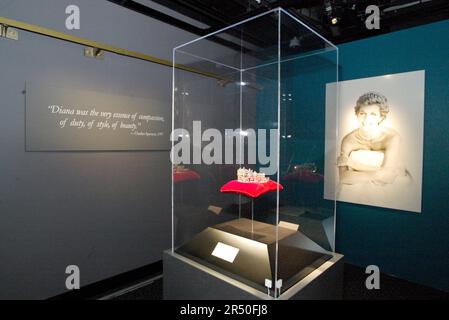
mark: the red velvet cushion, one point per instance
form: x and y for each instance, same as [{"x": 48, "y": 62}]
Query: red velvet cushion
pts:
[
  {"x": 185, "y": 175},
  {"x": 250, "y": 189}
]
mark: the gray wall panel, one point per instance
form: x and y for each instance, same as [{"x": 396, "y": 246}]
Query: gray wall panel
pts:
[{"x": 107, "y": 212}]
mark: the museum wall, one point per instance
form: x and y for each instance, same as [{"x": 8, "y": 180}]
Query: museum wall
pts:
[
  {"x": 107, "y": 212},
  {"x": 405, "y": 244},
  {"x": 409, "y": 245}
]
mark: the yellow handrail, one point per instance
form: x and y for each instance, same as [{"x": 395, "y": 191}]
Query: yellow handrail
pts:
[{"x": 95, "y": 44}]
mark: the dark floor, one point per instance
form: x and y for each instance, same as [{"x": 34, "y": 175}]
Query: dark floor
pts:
[
  {"x": 354, "y": 289},
  {"x": 391, "y": 288},
  {"x": 150, "y": 292}
]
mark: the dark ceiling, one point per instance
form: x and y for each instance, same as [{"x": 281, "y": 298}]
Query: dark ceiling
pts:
[{"x": 318, "y": 14}]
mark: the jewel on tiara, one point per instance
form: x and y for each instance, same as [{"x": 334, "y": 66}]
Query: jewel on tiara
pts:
[{"x": 248, "y": 175}]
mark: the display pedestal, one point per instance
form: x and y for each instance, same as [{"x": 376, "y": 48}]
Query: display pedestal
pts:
[
  {"x": 277, "y": 246},
  {"x": 185, "y": 279}
]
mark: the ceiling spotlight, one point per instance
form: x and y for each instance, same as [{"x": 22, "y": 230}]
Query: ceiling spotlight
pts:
[{"x": 333, "y": 11}]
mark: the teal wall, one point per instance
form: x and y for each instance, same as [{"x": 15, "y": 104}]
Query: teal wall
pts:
[
  {"x": 405, "y": 244},
  {"x": 412, "y": 246}
]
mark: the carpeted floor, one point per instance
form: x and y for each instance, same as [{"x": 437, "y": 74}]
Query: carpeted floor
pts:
[{"x": 354, "y": 289}]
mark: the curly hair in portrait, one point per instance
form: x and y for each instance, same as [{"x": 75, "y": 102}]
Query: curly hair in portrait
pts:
[
  {"x": 371, "y": 153},
  {"x": 373, "y": 98}
]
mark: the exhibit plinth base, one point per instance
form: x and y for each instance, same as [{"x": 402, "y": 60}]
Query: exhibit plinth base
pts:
[{"x": 185, "y": 279}]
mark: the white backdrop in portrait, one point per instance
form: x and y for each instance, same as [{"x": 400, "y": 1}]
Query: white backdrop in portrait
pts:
[{"x": 405, "y": 96}]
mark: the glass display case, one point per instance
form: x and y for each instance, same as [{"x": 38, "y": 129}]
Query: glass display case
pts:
[{"x": 249, "y": 148}]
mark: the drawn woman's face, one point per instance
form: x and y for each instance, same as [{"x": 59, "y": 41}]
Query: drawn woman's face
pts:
[{"x": 369, "y": 117}]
